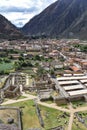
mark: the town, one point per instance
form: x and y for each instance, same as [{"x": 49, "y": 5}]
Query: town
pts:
[{"x": 43, "y": 84}]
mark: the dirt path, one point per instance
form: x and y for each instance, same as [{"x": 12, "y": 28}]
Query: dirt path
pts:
[
  {"x": 71, "y": 121},
  {"x": 53, "y": 106},
  {"x": 27, "y": 97},
  {"x": 71, "y": 116},
  {"x": 80, "y": 109},
  {"x": 72, "y": 111}
]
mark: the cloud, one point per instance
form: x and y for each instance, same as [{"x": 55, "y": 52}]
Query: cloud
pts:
[
  {"x": 20, "y": 12},
  {"x": 5, "y": 9}
]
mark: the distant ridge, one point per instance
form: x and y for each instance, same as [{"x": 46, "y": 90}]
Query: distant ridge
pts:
[
  {"x": 64, "y": 18},
  {"x": 8, "y": 30}
]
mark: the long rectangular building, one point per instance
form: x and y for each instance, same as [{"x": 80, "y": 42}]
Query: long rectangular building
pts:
[
  {"x": 68, "y": 82},
  {"x": 72, "y": 78},
  {"x": 73, "y": 87},
  {"x": 83, "y": 81},
  {"x": 78, "y": 92}
]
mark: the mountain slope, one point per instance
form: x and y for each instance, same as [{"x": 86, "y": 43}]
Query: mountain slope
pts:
[
  {"x": 64, "y": 18},
  {"x": 7, "y": 29}
]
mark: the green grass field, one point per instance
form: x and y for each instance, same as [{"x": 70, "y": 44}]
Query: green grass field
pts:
[
  {"x": 29, "y": 118},
  {"x": 79, "y": 103},
  {"x": 6, "y": 66},
  {"x": 78, "y": 125},
  {"x": 51, "y": 117}
]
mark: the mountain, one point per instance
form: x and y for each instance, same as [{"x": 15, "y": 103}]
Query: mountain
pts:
[
  {"x": 8, "y": 30},
  {"x": 64, "y": 18}
]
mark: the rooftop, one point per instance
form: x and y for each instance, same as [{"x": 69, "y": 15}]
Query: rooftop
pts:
[
  {"x": 73, "y": 87},
  {"x": 68, "y": 82},
  {"x": 78, "y": 92}
]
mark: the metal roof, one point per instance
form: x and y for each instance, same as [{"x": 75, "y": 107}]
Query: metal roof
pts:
[
  {"x": 84, "y": 81},
  {"x": 68, "y": 82},
  {"x": 72, "y": 78},
  {"x": 78, "y": 92},
  {"x": 73, "y": 87}
]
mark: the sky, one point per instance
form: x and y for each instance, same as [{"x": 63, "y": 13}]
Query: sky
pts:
[{"x": 20, "y": 12}]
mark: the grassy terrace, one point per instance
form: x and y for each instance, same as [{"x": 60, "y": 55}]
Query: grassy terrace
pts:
[
  {"x": 29, "y": 117},
  {"x": 6, "y": 66},
  {"x": 8, "y": 113},
  {"x": 27, "y": 70},
  {"x": 51, "y": 117},
  {"x": 76, "y": 104},
  {"x": 78, "y": 125}
]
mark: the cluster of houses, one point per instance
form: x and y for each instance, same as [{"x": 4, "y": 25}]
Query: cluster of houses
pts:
[
  {"x": 67, "y": 62},
  {"x": 57, "y": 49}
]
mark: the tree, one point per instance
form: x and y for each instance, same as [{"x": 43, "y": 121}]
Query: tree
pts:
[
  {"x": 21, "y": 58},
  {"x": 6, "y": 60},
  {"x": 17, "y": 65},
  {"x": 40, "y": 71},
  {"x": 37, "y": 57},
  {"x": 1, "y": 60}
]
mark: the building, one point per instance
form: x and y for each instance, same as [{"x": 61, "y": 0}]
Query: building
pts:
[{"x": 70, "y": 88}]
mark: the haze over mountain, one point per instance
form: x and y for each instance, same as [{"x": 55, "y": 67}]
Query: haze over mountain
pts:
[
  {"x": 7, "y": 29},
  {"x": 64, "y": 18}
]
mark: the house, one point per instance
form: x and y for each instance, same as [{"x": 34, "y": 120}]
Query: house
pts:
[
  {"x": 14, "y": 56},
  {"x": 23, "y": 47},
  {"x": 83, "y": 64},
  {"x": 75, "y": 69}
]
